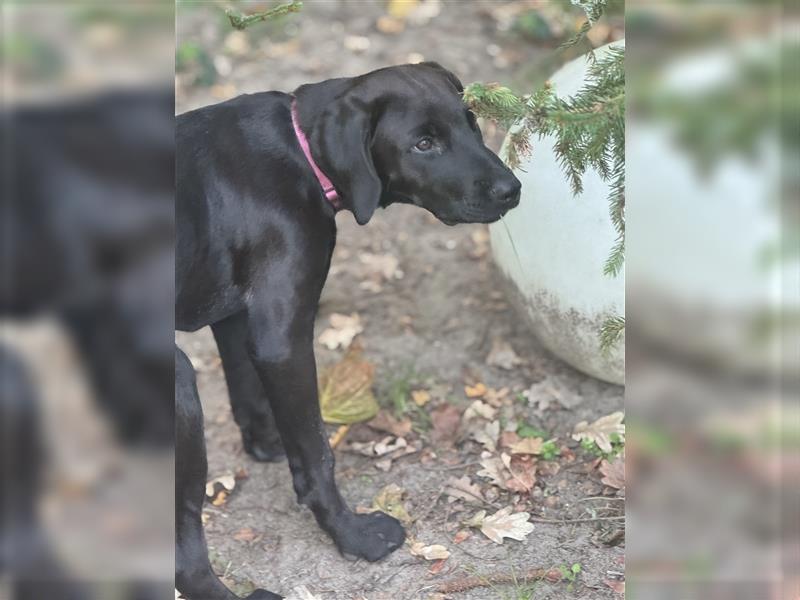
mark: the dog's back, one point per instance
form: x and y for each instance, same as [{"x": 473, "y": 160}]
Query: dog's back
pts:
[{"x": 238, "y": 167}]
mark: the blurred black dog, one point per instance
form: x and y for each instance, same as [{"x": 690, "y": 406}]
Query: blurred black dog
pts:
[
  {"x": 87, "y": 223},
  {"x": 260, "y": 178}
]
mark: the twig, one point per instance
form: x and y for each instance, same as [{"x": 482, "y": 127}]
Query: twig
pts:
[
  {"x": 241, "y": 21},
  {"x": 621, "y": 498},
  {"x": 469, "y": 583},
  {"x": 473, "y": 463},
  {"x": 565, "y": 521},
  {"x": 337, "y": 437}
]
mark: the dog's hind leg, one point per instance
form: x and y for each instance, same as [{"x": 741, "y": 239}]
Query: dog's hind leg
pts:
[
  {"x": 194, "y": 577},
  {"x": 249, "y": 402}
]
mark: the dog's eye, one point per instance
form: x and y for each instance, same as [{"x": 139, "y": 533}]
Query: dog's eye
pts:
[{"x": 424, "y": 144}]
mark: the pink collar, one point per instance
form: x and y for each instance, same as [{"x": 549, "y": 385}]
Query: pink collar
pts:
[{"x": 330, "y": 192}]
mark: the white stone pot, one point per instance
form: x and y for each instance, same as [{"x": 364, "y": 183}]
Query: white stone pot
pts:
[
  {"x": 552, "y": 249},
  {"x": 698, "y": 278}
]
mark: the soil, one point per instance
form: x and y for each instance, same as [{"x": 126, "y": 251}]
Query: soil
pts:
[{"x": 432, "y": 328}]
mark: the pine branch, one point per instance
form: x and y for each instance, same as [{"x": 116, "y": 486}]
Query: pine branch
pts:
[
  {"x": 594, "y": 9},
  {"x": 242, "y": 21},
  {"x": 611, "y": 332},
  {"x": 589, "y": 133}
]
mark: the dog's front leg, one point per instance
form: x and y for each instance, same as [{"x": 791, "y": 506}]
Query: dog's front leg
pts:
[{"x": 283, "y": 353}]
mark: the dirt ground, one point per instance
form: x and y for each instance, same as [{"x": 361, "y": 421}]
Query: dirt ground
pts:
[{"x": 429, "y": 326}]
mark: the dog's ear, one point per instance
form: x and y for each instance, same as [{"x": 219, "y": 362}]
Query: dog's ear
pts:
[
  {"x": 454, "y": 81},
  {"x": 343, "y": 134}
]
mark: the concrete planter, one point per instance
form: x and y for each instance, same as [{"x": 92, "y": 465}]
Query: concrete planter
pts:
[{"x": 552, "y": 249}]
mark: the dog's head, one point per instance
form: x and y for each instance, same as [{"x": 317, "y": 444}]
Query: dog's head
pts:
[{"x": 403, "y": 134}]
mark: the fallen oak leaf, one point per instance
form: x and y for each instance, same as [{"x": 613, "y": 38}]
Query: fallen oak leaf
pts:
[
  {"x": 342, "y": 331},
  {"x": 601, "y": 430},
  {"x": 437, "y": 566},
  {"x": 420, "y": 397},
  {"x": 475, "y": 391},
  {"x": 616, "y": 585},
  {"x": 522, "y": 470},
  {"x": 433, "y": 552},
  {"x": 504, "y": 524},
  {"x": 389, "y": 499},
  {"x": 527, "y": 446},
  {"x": 345, "y": 390},
  {"x": 488, "y": 435},
  {"x": 446, "y": 421},
  {"x": 494, "y": 470},
  {"x": 383, "y": 421},
  {"x": 462, "y": 489},
  {"x": 480, "y": 409},
  {"x": 496, "y": 397},
  {"x": 614, "y": 472},
  {"x": 502, "y": 355},
  {"x": 461, "y": 536}
]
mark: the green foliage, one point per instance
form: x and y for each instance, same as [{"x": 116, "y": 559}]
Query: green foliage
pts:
[
  {"x": 594, "y": 9},
  {"x": 570, "y": 573},
  {"x": 589, "y": 133},
  {"x": 617, "y": 446},
  {"x": 550, "y": 450},
  {"x": 528, "y": 431},
  {"x": 611, "y": 332},
  {"x": 191, "y": 57},
  {"x": 241, "y": 21}
]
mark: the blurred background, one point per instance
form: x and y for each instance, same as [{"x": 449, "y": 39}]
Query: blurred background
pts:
[
  {"x": 713, "y": 298},
  {"x": 86, "y": 319}
]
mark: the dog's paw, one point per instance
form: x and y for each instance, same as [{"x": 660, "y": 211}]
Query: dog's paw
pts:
[
  {"x": 263, "y": 595},
  {"x": 370, "y": 536}
]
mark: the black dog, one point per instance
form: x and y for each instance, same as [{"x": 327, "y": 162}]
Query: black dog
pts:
[{"x": 255, "y": 235}]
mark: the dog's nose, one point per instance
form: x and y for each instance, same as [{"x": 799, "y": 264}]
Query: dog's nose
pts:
[{"x": 505, "y": 193}]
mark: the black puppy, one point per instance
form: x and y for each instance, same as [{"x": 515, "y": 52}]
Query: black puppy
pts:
[{"x": 256, "y": 231}]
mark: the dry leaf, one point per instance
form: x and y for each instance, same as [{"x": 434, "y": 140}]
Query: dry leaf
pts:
[
  {"x": 379, "y": 448},
  {"x": 434, "y": 552},
  {"x": 475, "y": 391},
  {"x": 496, "y": 397},
  {"x": 226, "y": 481},
  {"x": 301, "y": 592},
  {"x": 601, "y": 430},
  {"x": 502, "y": 355},
  {"x": 476, "y": 520},
  {"x": 446, "y": 421},
  {"x": 384, "y": 265},
  {"x": 616, "y": 585},
  {"x": 543, "y": 393},
  {"x": 461, "y": 536},
  {"x": 341, "y": 332},
  {"x": 494, "y": 470},
  {"x": 437, "y": 566},
  {"x": 245, "y": 534},
  {"x": 462, "y": 489},
  {"x": 527, "y": 446},
  {"x": 345, "y": 390},
  {"x": 480, "y": 409},
  {"x": 420, "y": 397},
  {"x": 384, "y": 421},
  {"x": 487, "y": 435},
  {"x": 522, "y": 470},
  {"x": 614, "y": 473},
  {"x": 390, "y": 500},
  {"x": 504, "y": 524}
]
